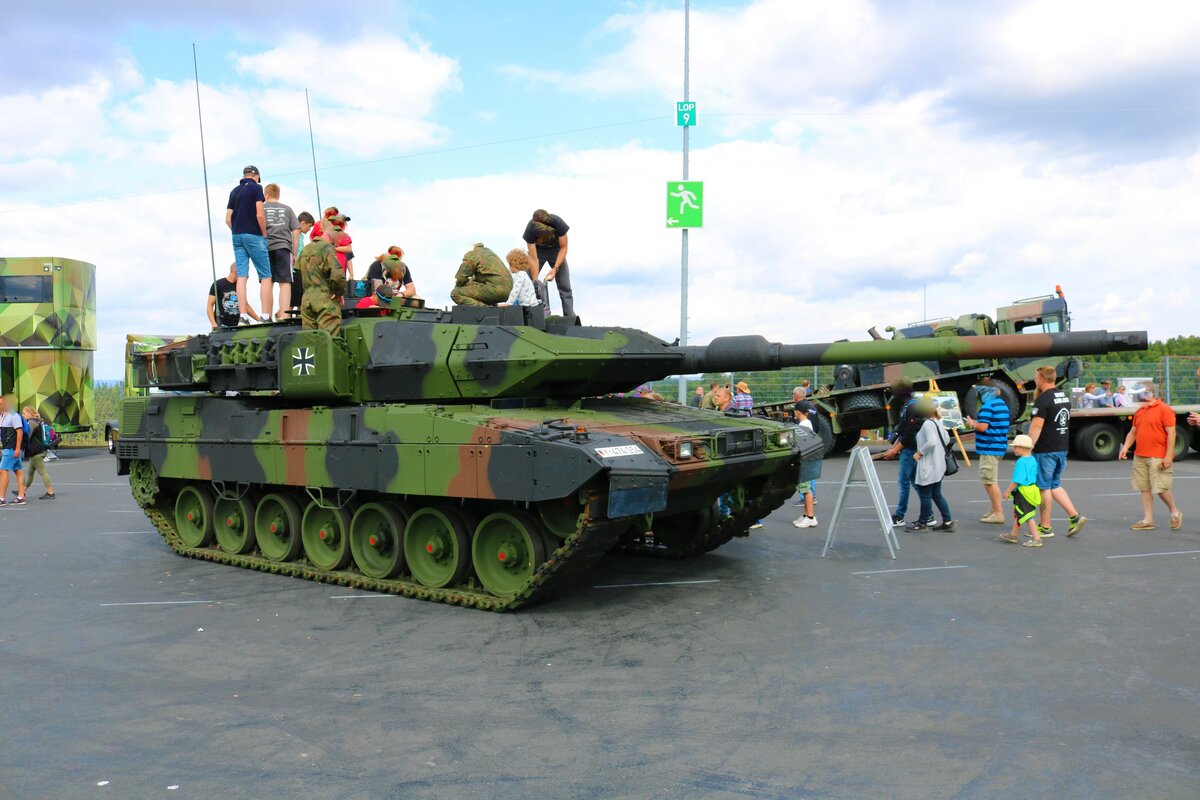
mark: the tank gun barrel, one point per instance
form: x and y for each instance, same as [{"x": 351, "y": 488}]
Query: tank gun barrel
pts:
[{"x": 753, "y": 353}]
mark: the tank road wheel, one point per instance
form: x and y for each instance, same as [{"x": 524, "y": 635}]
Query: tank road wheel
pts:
[
  {"x": 277, "y": 527},
  {"x": 326, "y": 536},
  {"x": 437, "y": 546},
  {"x": 194, "y": 516},
  {"x": 561, "y": 517},
  {"x": 234, "y": 524},
  {"x": 377, "y": 539},
  {"x": 508, "y": 547}
]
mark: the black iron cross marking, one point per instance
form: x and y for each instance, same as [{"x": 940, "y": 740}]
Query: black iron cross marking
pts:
[{"x": 303, "y": 361}]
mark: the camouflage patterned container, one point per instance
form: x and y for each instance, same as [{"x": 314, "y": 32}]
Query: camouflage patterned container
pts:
[
  {"x": 473, "y": 456},
  {"x": 47, "y": 337}
]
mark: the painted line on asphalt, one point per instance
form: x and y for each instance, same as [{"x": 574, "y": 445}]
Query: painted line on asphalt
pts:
[
  {"x": 358, "y": 596},
  {"x": 121, "y": 533},
  {"x": 59, "y": 483},
  {"x": 1118, "y": 494},
  {"x": 1147, "y": 555},
  {"x": 161, "y": 603},
  {"x": 910, "y": 569},
  {"x": 125, "y": 511},
  {"x": 657, "y": 583}
]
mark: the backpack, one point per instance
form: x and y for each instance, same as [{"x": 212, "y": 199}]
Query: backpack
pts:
[{"x": 24, "y": 434}]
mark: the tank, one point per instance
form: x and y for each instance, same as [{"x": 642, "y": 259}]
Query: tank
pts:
[{"x": 475, "y": 456}]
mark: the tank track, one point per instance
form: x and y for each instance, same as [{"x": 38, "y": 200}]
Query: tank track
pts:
[{"x": 576, "y": 554}]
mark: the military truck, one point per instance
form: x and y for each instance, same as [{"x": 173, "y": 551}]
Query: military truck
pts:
[
  {"x": 1097, "y": 433},
  {"x": 859, "y": 397},
  {"x": 48, "y": 337},
  {"x": 475, "y": 456}
]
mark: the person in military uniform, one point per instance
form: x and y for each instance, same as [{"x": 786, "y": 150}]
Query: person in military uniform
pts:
[
  {"x": 324, "y": 283},
  {"x": 482, "y": 279}
]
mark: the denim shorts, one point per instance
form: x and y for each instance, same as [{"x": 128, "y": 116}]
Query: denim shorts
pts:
[
  {"x": 1050, "y": 469},
  {"x": 249, "y": 247},
  {"x": 10, "y": 461}
]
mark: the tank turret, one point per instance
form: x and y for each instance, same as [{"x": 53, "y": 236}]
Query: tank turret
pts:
[{"x": 472, "y": 354}]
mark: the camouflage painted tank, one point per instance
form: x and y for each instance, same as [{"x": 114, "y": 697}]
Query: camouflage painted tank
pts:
[{"x": 473, "y": 456}]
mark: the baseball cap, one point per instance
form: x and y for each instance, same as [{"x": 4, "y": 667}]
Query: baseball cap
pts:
[
  {"x": 1022, "y": 440},
  {"x": 250, "y": 169},
  {"x": 1105, "y": 382}
]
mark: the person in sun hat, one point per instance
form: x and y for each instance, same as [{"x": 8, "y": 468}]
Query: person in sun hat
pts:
[
  {"x": 1024, "y": 492},
  {"x": 742, "y": 399}
]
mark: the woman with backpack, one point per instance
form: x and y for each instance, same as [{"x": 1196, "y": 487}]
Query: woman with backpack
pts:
[
  {"x": 35, "y": 452},
  {"x": 932, "y": 441}
]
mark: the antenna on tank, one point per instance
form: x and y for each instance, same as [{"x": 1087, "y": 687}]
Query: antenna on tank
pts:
[
  {"x": 313, "y": 147},
  {"x": 212, "y": 251}
]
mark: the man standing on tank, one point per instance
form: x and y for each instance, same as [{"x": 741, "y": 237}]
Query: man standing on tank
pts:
[
  {"x": 546, "y": 236},
  {"x": 246, "y": 220},
  {"x": 283, "y": 239},
  {"x": 324, "y": 283},
  {"x": 1050, "y": 429}
]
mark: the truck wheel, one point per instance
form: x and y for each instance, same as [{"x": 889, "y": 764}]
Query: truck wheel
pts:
[
  {"x": 108, "y": 440},
  {"x": 1183, "y": 440},
  {"x": 1098, "y": 441},
  {"x": 844, "y": 441},
  {"x": 863, "y": 401},
  {"x": 969, "y": 401},
  {"x": 824, "y": 429}
]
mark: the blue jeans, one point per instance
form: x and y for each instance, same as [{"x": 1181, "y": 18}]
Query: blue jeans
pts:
[
  {"x": 1050, "y": 469},
  {"x": 929, "y": 495},
  {"x": 908, "y": 470},
  {"x": 249, "y": 247}
]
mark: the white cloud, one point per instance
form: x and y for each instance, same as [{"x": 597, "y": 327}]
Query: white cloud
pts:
[{"x": 373, "y": 93}]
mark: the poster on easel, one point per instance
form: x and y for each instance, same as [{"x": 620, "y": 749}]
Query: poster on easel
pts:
[{"x": 949, "y": 410}]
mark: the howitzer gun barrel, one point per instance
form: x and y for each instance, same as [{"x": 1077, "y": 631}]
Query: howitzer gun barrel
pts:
[{"x": 748, "y": 353}]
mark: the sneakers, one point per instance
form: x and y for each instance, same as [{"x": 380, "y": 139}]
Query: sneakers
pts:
[
  {"x": 3, "y": 502},
  {"x": 918, "y": 526},
  {"x": 945, "y": 525},
  {"x": 20, "y": 501},
  {"x": 245, "y": 320},
  {"x": 805, "y": 522},
  {"x": 897, "y": 520},
  {"x": 993, "y": 518},
  {"x": 1046, "y": 533},
  {"x": 47, "y": 496},
  {"x": 1031, "y": 543},
  {"x": 756, "y": 525},
  {"x": 1077, "y": 523}
]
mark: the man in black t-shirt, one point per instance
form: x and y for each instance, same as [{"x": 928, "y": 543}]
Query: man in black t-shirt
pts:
[
  {"x": 223, "y": 301},
  {"x": 1050, "y": 429},
  {"x": 546, "y": 236}
]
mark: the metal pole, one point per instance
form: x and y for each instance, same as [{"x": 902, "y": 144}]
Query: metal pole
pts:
[
  {"x": 1166, "y": 392},
  {"x": 313, "y": 147},
  {"x": 212, "y": 248},
  {"x": 683, "y": 268}
]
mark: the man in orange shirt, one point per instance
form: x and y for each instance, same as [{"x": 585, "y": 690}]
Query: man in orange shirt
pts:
[{"x": 1153, "y": 434}]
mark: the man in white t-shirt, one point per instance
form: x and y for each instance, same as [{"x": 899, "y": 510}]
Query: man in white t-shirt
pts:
[{"x": 12, "y": 433}]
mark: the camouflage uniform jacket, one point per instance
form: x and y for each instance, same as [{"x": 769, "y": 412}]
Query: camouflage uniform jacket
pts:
[{"x": 483, "y": 266}]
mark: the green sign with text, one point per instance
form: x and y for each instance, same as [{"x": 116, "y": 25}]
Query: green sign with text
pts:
[
  {"x": 685, "y": 204},
  {"x": 685, "y": 114}
]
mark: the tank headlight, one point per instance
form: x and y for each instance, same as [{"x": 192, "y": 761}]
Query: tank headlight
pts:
[
  {"x": 785, "y": 438},
  {"x": 685, "y": 450}
]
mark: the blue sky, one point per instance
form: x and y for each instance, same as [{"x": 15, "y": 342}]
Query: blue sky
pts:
[{"x": 857, "y": 154}]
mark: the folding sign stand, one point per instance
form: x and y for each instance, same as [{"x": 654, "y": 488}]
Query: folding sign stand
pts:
[{"x": 860, "y": 458}]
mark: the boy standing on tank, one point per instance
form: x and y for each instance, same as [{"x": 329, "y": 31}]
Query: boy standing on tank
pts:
[
  {"x": 283, "y": 239},
  {"x": 1025, "y": 494}
]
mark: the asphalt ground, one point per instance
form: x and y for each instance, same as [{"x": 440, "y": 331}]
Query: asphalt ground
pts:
[{"x": 760, "y": 670}]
